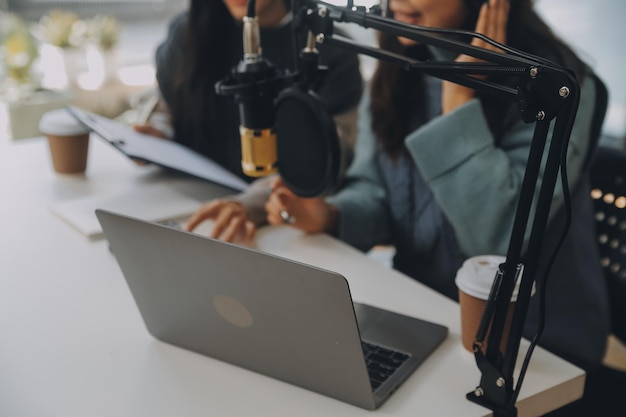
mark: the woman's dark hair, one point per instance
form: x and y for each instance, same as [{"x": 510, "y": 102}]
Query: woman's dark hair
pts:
[
  {"x": 397, "y": 93},
  {"x": 204, "y": 61},
  {"x": 209, "y": 52}
]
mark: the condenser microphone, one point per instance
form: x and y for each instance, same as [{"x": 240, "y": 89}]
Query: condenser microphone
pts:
[
  {"x": 257, "y": 129},
  {"x": 255, "y": 83},
  {"x": 282, "y": 120}
]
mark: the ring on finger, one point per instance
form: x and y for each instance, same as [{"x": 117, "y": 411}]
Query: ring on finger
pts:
[{"x": 287, "y": 218}]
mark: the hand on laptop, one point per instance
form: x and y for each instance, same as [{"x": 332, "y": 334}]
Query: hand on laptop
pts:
[
  {"x": 231, "y": 221},
  {"x": 313, "y": 215}
]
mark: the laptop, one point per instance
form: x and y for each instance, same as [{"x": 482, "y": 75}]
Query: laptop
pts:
[{"x": 277, "y": 317}]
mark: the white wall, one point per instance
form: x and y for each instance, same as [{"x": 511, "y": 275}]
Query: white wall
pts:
[{"x": 597, "y": 31}]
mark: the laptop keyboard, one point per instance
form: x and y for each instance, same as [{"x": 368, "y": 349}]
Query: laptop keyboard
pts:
[{"x": 381, "y": 362}]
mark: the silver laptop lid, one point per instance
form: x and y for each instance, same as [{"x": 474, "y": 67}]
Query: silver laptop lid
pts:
[{"x": 281, "y": 318}]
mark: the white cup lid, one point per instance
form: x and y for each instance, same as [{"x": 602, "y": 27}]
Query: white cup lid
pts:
[
  {"x": 61, "y": 122},
  {"x": 476, "y": 275}
]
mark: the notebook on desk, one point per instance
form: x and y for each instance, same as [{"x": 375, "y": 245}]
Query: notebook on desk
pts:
[{"x": 284, "y": 319}]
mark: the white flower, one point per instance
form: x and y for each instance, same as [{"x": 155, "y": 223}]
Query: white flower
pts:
[
  {"x": 20, "y": 47},
  {"x": 104, "y": 31},
  {"x": 62, "y": 29}
]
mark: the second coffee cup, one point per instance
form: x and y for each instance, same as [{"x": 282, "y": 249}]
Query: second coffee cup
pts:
[{"x": 474, "y": 280}]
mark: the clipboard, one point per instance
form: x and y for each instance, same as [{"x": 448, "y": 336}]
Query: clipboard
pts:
[{"x": 161, "y": 152}]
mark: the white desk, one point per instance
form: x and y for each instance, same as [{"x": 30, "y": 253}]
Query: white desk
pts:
[{"x": 72, "y": 343}]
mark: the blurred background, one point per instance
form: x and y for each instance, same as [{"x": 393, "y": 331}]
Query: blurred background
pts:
[{"x": 99, "y": 55}]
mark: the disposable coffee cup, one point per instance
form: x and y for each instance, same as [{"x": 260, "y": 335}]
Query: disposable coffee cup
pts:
[
  {"x": 474, "y": 280},
  {"x": 68, "y": 140}
]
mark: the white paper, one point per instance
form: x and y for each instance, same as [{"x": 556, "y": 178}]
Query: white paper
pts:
[{"x": 154, "y": 203}]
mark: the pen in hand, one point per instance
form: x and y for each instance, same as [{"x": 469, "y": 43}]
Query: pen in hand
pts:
[{"x": 146, "y": 110}]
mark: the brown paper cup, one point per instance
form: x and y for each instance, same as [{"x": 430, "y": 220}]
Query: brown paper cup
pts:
[
  {"x": 69, "y": 153},
  {"x": 472, "y": 309},
  {"x": 474, "y": 280},
  {"x": 68, "y": 140}
]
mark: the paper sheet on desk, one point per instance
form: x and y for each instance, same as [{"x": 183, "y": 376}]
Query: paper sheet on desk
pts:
[
  {"x": 150, "y": 202},
  {"x": 166, "y": 153}
]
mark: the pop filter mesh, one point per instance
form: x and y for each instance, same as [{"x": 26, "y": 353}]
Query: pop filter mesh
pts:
[{"x": 308, "y": 146}]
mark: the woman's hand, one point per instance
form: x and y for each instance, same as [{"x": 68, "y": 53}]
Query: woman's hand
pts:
[
  {"x": 231, "y": 221},
  {"x": 313, "y": 215},
  {"x": 492, "y": 22},
  {"x": 148, "y": 129}
]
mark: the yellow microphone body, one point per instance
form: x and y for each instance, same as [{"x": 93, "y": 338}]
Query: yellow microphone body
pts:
[{"x": 258, "y": 151}]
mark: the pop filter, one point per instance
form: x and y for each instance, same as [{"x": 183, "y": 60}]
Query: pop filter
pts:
[{"x": 310, "y": 159}]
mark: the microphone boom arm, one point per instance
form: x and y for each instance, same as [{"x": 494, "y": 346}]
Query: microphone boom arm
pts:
[{"x": 544, "y": 92}]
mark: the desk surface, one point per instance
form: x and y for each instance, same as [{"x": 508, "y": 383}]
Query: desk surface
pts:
[{"x": 73, "y": 343}]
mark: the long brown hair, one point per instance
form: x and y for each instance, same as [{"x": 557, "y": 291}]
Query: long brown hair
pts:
[
  {"x": 398, "y": 96},
  {"x": 204, "y": 61}
]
